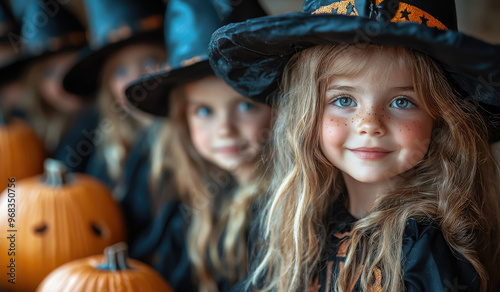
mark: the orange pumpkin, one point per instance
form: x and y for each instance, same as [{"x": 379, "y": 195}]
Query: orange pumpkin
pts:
[
  {"x": 58, "y": 217},
  {"x": 21, "y": 151},
  {"x": 112, "y": 272}
]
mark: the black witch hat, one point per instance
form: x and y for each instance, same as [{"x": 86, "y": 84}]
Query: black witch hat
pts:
[
  {"x": 18, "y": 7},
  {"x": 251, "y": 56},
  {"x": 47, "y": 28},
  {"x": 188, "y": 27},
  {"x": 113, "y": 24},
  {"x": 7, "y": 23},
  {"x": 8, "y": 26}
]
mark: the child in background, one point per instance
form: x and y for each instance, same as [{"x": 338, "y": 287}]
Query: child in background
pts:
[
  {"x": 43, "y": 59},
  {"x": 204, "y": 157},
  {"x": 125, "y": 43},
  {"x": 10, "y": 81},
  {"x": 383, "y": 178}
]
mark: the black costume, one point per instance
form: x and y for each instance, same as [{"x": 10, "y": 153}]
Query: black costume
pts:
[{"x": 429, "y": 263}]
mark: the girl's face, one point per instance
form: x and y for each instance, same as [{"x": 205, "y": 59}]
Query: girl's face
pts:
[
  {"x": 226, "y": 128},
  {"x": 374, "y": 126},
  {"x": 128, "y": 64},
  {"x": 50, "y": 87}
]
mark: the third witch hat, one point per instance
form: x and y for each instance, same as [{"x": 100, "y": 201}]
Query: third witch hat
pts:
[
  {"x": 47, "y": 28},
  {"x": 189, "y": 25},
  {"x": 113, "y": 24}
]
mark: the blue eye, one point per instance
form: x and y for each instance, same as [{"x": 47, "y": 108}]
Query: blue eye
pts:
[
  {"x": 121, "y": 72},
  {"x": 203, "y": 111},
  {"x": 245, "y": 106},
  {"x": 344, "y": 101},
  {"x": 402, "y": 103}
]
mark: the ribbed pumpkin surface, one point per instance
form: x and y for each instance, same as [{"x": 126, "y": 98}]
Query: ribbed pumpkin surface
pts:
[
  {"x": 82, "y": 276},
  {"x": 56, "y": 225},
  {"x": 21, "y": 152}
]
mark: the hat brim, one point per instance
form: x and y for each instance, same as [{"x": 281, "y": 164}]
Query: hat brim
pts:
[
  {"x": 83, "y": 77},
  {"x": 13, "y": 69},
  {"x": 250, "y": 56},
  {"x": 17, "y": 66},
  {"x": 150, "y": 93}
]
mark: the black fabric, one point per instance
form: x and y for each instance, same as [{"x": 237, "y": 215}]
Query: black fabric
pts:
[
  {"x": 156, "y": 234},
  {"x": 77, "y": 144},
  {"x": 429, "y": 263},
  {"x": 97, "y": 167}
]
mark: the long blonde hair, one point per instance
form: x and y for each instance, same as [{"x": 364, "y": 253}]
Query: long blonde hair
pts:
[
  {"x": 455, "y": 184},
  {"x": 119, "y": 128},
  {"x": 216, "y": 211}
]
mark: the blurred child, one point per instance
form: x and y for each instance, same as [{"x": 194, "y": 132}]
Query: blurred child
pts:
[
  {"x": 204, "y": 157},
  {"x": 125, "y": 43},
  {"x": 44, "y": 57}
]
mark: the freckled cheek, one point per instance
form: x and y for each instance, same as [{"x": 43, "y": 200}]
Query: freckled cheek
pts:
[
  {"x": 334, "y": 132},
  {"x": 415, "y": 135}
]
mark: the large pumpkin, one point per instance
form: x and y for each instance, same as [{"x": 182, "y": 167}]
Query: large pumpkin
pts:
[
  {"x": 55, "y": 218},
  {"x": 113, "y": 272},
  {"x": 21, "y": 151}
]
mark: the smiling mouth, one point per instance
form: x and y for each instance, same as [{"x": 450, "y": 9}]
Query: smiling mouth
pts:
[
  {"x": 370, "y": 153},
  {"x": 230, "y": 150}
]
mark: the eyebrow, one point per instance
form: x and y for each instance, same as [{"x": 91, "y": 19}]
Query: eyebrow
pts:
[
  {"x": 350, "y": 88},
  {"x": 341, "y": 88},
  {"x": 405, "y": 88}
]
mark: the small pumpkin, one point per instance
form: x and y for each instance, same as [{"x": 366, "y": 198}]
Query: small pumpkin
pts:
[
  {"x": 112, "y": 272},
  {"x": 21, "y": 151},
  {"x": 59, "y": 217}
]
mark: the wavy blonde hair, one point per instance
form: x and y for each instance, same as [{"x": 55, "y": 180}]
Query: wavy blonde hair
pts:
[
  {"x": 455, "y": 184},
  {"x": 119, "y": 127},
  {"x": 216, "y": 213}
]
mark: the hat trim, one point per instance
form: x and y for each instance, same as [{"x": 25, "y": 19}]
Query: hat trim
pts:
[{"x": 405, "y": 13}]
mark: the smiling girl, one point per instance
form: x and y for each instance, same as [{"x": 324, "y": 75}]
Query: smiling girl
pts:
[
  {"x": 203, "y": 182},
  {"x": 383, "y": 178}
]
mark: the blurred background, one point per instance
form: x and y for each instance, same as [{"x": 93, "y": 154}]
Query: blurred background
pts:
[{"x": 480, "y": 18}]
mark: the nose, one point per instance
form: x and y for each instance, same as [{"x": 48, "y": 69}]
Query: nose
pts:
[
  {"x": 226, "y": 126},
  {"x": 371, "y": 123}
]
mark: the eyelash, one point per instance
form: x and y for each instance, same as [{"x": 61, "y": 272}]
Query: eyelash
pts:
[
  {"x": 337, "y": 98},
  {"x": 401, "y": 97},
  {"x": 404, "y": 97}
]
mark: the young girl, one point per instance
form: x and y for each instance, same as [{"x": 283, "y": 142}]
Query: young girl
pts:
[
  {"x": 125, "y": 43},
  {"x": 204, "y": 157},
  {"x": 46, "y": 56},
  {"x": 383, "y": 178}
]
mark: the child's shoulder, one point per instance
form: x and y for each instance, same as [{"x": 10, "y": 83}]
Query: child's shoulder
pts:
[{"x": 431, "y": 264}]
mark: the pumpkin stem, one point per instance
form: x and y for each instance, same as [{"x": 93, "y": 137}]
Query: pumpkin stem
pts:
[
  {"x": 115, "y": 258},
  {"x": 55, "y": 172}
]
